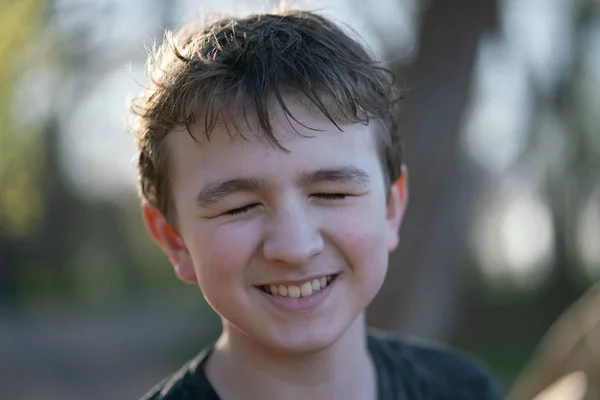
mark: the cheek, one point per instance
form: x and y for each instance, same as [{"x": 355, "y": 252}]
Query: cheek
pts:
[
  {"x": 361, "y": 237},
  {"x": 369, "y": 255},
  {"x": 220, "y": 254}
]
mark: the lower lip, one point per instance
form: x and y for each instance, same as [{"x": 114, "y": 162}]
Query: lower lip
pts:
[{"x": 300, "y": 303}]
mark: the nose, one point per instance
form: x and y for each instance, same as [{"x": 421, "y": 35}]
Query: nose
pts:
[{"x": 293, "y": 238}]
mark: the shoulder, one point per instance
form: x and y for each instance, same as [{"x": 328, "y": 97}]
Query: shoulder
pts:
[
  {"x": 189, "y": 383},
  {"x": 440, "y": 371}
]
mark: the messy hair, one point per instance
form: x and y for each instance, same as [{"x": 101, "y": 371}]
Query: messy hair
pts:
[{"x": 215, "y": 73}]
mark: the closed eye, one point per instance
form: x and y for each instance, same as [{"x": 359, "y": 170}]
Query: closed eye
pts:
[
  {"x": 240, "y": 210},
  {"x": 331, "y": 196}
]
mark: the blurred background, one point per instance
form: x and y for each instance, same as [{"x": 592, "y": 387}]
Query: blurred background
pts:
[{"x": 501, "y": 124}]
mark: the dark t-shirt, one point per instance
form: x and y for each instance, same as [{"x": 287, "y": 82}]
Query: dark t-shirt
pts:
[{"x": 405, "y": 371}]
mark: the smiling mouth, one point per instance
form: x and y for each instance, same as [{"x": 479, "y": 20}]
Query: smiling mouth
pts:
[{"x": 306, "y": 289}]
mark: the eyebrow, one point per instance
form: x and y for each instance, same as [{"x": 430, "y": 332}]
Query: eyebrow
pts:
[
  {"x": 349, "y": 175},
  {"x": 212, "y": 192}
]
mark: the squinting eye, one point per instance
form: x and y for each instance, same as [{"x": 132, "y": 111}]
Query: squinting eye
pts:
[
  {"x": 240, "y": 210},
  {"x": 331, "y": 196}
]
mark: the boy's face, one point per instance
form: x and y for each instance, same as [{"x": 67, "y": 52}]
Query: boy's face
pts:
[{"x": 252, "y": 218}]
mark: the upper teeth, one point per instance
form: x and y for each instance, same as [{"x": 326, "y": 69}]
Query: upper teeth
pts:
[{"x": 304, "y": 290}]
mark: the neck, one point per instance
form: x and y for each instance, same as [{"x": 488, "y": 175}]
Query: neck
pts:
[{"x": 344, "y": 370}]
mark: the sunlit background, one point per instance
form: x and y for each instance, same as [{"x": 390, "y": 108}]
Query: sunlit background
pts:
[{"x": 501, "y": 122}]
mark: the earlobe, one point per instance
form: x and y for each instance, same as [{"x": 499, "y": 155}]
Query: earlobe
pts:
[
  {"x": 397, "y": 201},
  {"x": 171, "y": 244}
]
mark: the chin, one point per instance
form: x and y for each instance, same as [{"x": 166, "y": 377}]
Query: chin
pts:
[
  {"x": 305, "y": 344},
  {"x": 307, "y": 339}
]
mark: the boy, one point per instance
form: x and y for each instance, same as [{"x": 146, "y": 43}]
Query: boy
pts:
[{"x": 271, "y": 175}]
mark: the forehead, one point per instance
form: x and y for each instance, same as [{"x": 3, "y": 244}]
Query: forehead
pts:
[{"x": 305, "y": 138}]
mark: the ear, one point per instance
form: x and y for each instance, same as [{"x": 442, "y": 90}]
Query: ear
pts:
[
  {"x": 160, "y": 230},
  {"x": 397, "y": 201}
]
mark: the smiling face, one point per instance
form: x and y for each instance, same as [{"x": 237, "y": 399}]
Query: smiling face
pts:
[{"x": 288, "y": 248}]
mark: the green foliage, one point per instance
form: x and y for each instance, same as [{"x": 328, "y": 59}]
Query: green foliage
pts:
[{"x": 20, "y": 152}]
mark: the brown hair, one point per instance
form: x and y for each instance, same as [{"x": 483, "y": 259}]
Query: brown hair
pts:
[{"x": 200, "y": 72}]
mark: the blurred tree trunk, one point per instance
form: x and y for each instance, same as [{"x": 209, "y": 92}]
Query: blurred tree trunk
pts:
[
  {"x": 52, "y": 246},
  {"x": 8, "y": 278},
  {"x": 422, "y": 291},
  {"x": 570, "y": 186}
]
